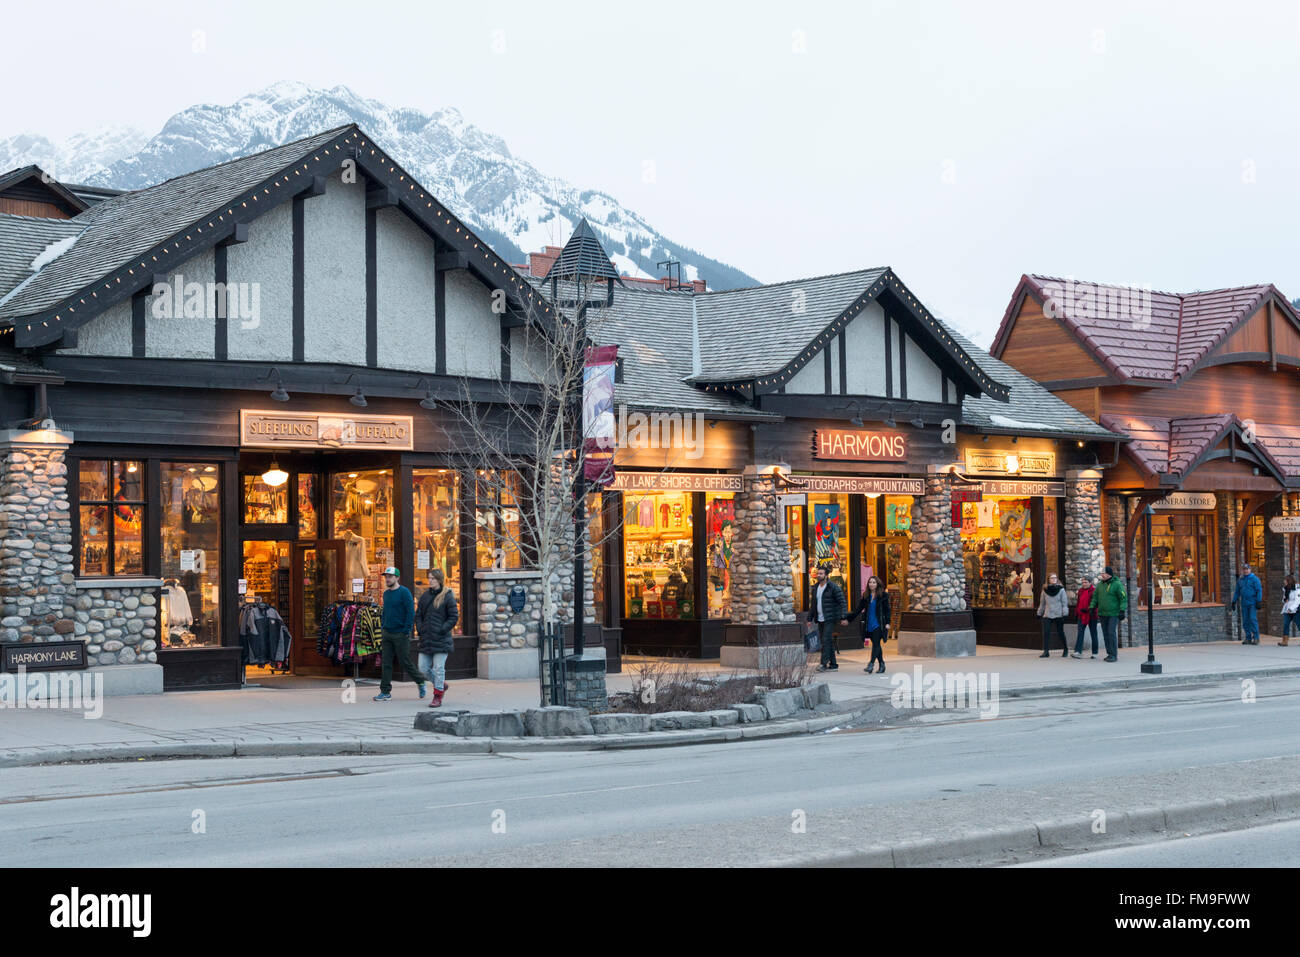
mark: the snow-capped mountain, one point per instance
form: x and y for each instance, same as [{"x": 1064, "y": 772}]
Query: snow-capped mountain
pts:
[{"x": 509, "y": 202}]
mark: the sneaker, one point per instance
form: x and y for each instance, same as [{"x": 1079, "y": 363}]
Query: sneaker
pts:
[
  {"x": 1111, "y": 658},
  {"x": 1094, "y": 657},
  {"x": 833, "y": 668},
  {"x": 382, "y": 696},
  {"x": 1044, "y": 655},
  {"x": 1078, "y": 655},
  {"x": 821, "y": 668}
]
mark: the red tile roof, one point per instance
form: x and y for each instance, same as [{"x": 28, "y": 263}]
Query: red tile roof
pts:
[
  {"x": 1172, "y": 446},
  {"x": 1139, "y": 333}
]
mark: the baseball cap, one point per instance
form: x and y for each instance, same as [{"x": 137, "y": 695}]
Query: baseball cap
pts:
[{"x": 390, "y": 570}]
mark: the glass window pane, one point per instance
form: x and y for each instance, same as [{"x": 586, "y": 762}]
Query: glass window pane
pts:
[
  {"x": 308, "y": 524},
  {"x": 190, "y": 501},
  {"x": 128, "y": 481},
  {"x": 659, "y": 574},
  {"x": 361, "y": 511},
  {"x": 596, "y": 540},
  {"x": 828, "y": 534},
  {"x": 435, "y": 511},
  {"x": 997, "y": 550},
  {"x": 720, "y": 510},
  {"x": 265, "y": 504},
  {"x": 94, "y": 481},
  {"x": 94, "y": 539},
  {"x": 128, "y": 537},
  {"x": 794, "y": 531},
  {"x": 499, "y": 538}
]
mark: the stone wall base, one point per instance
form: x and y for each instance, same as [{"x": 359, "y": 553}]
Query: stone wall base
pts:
[
  {"x": 937, "y": 644},
  {"x": 117, "y": 680},
  {"x": 758, "y": 658},
  {"x": 585, "y": 682}
]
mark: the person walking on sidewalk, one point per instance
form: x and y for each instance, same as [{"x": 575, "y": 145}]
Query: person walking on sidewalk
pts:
[
  {"x": 1110, "y": 602},
  {"x": 435, "y": 616},
  {"x": 873, "y": 609},
  {"x": 1087, "y": 618},
  {"x": 1246, "y": 599},
  {"x": 397, "y": 619},
  {"x": 828, "y": 607},
  {"x": 1290, "y": 608},
  {"x": 1054, "y": 608}
]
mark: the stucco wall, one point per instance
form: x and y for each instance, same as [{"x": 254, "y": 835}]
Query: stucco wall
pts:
[
  {"x": 334, "y": 274},
  {"x": 266, "y": 260},
  {"x": 404, "y": 256},
  {"x": 528, "y": 361},
  {"x": 864, "y": 341},
  {"x": 170, "y": 332},
  {"x": 924, "y": 379},
  {"x": 108, "y": 334},
  {"x": 473, "y": 329}
]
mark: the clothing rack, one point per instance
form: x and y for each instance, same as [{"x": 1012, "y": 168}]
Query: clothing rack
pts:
[{"x": 363, "y": 600}]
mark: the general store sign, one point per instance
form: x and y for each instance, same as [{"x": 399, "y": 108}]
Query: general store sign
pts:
[
  {"x": 676, "y": 482},
  {"x": 313, "y": 430},
  {"x": 857, "y": 445},
  {"x": 1003, "y": 462},
  {"x": 1284, "y": 524},
  {"x": 857, "y": 484},
  {"x": 1186, "y": 502}
]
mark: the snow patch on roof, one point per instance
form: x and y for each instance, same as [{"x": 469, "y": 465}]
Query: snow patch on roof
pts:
[
  {"x": 52, "y": 252},
  {"x": 1007, "y": 423}
]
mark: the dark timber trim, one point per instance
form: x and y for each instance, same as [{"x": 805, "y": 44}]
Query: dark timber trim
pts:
[
  {"x": 221, "y": 337},
  {"x": 826, "y": 354},
  {"x": 902, "y": 362},
  {"x": 889, "y": 356},
  {"x": 440, "y": 321},
  {"x": 372, "y": 290},
  {"x": 944, "y": 395},
  {"x": 138, "y": 326},
  {"x": 505, "y": 353},
  {"x": 299, "y": 265},
  {"x": 844, "y": 367}
]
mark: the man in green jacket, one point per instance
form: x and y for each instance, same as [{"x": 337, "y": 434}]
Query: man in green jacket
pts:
[
  {"x": 398, "y": 618},
  {"x": 1110, "y": 601}
]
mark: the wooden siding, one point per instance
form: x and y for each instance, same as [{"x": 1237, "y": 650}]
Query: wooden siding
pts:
[
  {"x": 29, "y": 207},
  {"x": 1087, "y": 401},
  {"x": 1043, "y": 349},
  {"x": 1251, "y": 336},
  {"x": 1250, "y": 391}
]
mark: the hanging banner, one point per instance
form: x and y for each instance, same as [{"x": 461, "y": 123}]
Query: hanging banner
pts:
[{"x": 599, "y": 425}]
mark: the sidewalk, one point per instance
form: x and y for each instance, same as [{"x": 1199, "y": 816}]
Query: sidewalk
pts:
[{"x": 280, "y": 715}]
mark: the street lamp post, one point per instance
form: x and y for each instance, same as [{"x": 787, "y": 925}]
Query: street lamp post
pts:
[{"x": 1150, "y": 666}]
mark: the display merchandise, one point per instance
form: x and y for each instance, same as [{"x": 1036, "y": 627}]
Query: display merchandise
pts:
[
  {"x": 720, "y": 512},
  {"x": 435, "y": 512},
  {"x": 265, "y": 504},
  {"x": 1182, "y": 557},
  {"x": 264, "y": 636},
  {"x": 110, "y": 517},
  {"x": 498, "y": 530},
  {"x": 659, "y": 567},
  {"x": 997, "y": 552},
  {"x": 189, "y": 503},
  {"x": 361, "y": 506},
  {"x": 350, "y": 631}
]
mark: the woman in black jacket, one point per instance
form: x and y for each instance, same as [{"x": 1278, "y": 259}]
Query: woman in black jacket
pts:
[
  {"x": 435, "y": 616},
  {"x": 873, "y": 609}
]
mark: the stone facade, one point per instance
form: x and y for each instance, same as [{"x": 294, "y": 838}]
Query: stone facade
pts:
[
  {"x": 498, "y": 625},
  {"x": 1084, "y": 555},
  {"x": 762, "y": 589},
  {"x": 118, "y": 621},
  {"x": 936, "y": 574},
  {"x": 37, "y": 586},
  {"x": 585, "y": 684}
]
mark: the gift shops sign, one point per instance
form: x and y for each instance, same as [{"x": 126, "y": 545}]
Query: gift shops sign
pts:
[
  {"x": 313, "y": 430},
  {"x": 1003, "y": 462},
  {"x": 857, "y": 445}
]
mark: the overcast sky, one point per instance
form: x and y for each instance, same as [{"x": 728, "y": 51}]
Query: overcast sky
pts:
[{"x": 961, "y": 143}]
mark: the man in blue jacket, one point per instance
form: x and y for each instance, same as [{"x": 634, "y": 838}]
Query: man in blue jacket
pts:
[
  {"x": 1247, "y": 598},
  {"x": 398, "y": 619}
]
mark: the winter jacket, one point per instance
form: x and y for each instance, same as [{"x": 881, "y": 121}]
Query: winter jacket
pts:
[
  {"x": 435, "y": 616},
  {"x": 1111, "y": 598},
  {"x": 1248, "y": 590},
  {"x": 882, "y": 612},
  {"x": 1287, "y": 595},
  {"x": 1054, "y": 602},
  {"x": 1085, "y": 604},
  {"x": 834, "y": 605}
]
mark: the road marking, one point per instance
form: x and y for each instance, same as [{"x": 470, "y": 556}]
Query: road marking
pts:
[
  {"x": 538, "y": 797},
  {"x": 1148, "y": 734}
]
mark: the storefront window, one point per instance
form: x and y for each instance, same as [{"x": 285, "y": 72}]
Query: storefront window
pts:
[
  {"x": 265, "y": 504},
  {"x": 436, "y": 515},
  {"x": 499, "y": 531},
  {"x": 361, "y": 513},
  {"x": 659, "y": 575},
  {"x": 828, "y": 536},
  {"x": 720, "y": 511},
  {"x": 997, "y": 549},
  {"x": 308, "y": 523},
  {"x": 111, "y": 526},
  {"x": 886, "y": 544},
  {"x": 596, "y": 555},
  {"x": 266, "y": 572},
  {"x": 1182, "y": 559},
  {"x": 189, "y": 497}
]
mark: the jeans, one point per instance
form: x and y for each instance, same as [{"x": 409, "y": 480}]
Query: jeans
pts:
[
  {"x": 1054, "y": 625},
  {"x": 825, "y": 631},
  {"x": 396, "y": 645},
  {"x": 1110, "y": 632},
  {"x": 435, "y": 666},
  {"x": 1249, "y": 621},
  {"x": 1289, "y": 618},
  {"x": 1078, "y": 641}
]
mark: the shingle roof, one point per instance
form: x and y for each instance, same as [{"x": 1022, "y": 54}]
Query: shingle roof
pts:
[
  {"x": 1171, "y": 447},
  {"x": 1029, "y": 410},
  {"x": 583, "y": 257},
  {"x": 23, "y": 239},
  {"x": 1143, "y": 334},
  {"x": 123, "y": 227},
  {"x": 15, "y": 176}
]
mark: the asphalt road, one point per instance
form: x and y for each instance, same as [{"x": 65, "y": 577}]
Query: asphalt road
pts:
[
  {"x": 739, "y": 804},
  {"x": 1273, "y": 845}
]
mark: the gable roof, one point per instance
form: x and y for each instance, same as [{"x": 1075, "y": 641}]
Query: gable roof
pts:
[
  {"x": 1139, "y": 333},
  {"x": 130, "y": 238},
  {"x": 59, "y": 193},
  {"x": 1171, "y": 449},
  {"x": 763, "y": 335},
  {"x": 583, "y": 257}
]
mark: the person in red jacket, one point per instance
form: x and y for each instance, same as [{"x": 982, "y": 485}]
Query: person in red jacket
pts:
[{"x": 1087, "y": 618}]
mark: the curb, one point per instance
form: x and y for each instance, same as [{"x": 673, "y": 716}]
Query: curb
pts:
[
  {"x": 1146, "y": 681},
  {"x": 1121, "y": 828},
  {"x": 436, "y": 744}
]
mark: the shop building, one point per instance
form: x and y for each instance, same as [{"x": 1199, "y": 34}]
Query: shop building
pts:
[{"x": 1204, "y": 385}]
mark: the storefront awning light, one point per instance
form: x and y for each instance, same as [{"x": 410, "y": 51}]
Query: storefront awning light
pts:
[
  {"x": 1012, "y": 463},
  {"x": 275, "y": 476}
]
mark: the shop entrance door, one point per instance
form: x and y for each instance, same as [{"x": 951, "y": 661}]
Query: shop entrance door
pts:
[
  {"x": 317, "y": 575},
  {"x": 887, "y": 559}
]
